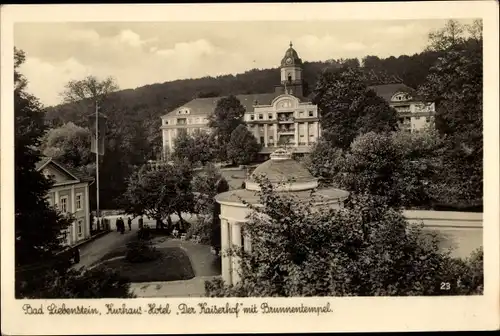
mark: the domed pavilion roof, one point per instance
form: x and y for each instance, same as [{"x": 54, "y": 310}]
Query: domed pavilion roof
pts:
[
  {"x": 287, "y": 177},
  {"x": 283, "y": 172},
  {"x": 291, "y": 57}
]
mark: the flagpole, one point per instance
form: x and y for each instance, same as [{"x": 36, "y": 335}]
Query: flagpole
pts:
[{"x": 97, "y": 160}]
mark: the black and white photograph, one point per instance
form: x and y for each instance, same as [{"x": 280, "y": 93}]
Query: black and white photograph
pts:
[{"x": 215, "y": 160}]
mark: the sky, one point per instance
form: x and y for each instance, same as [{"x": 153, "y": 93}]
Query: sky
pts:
[{"x": 138, "y": 54}]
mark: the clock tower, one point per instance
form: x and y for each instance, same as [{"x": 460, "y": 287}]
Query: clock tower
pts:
[{"x": 291, "y": 73}]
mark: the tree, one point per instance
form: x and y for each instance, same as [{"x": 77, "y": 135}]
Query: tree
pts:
[
  {"x": 204, "y": 145},
  {"x": 399, "y": 167},
  {"x": 242, "y": 147},
  {"x": 348, "y": 108},
  {"x": 39, "y": 227},
  {"x": 455, "y": 84},
  {"x": 365, "y": 249},
  {"x": 159, "y": 191},
  {"x": 198, "y": 147},
  {"x": 70, "y": 145},
  {"x": 207, "y": 184},
  {"x": 183, "y": 146},
  {"x": 227, "y": 116}
]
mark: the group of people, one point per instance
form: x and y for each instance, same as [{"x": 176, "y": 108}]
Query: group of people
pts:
[{"x": 120, "y": 225}]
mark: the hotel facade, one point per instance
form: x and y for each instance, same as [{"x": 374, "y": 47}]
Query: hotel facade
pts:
[{"x": 286, "y": 116}]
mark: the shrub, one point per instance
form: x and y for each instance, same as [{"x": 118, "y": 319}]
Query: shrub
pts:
[
  {"x": 98, "y": 282},
  {"x": 141, "y": 251},
  {"x": 144, "y": 233}
]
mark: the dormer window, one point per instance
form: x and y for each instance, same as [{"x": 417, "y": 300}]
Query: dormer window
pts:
[
  {"x": 252, "y": 117},
  {"x": 270, "y": 116},
  {"x": 261, "y": 116},
  {"x": 311, "y": 114}
]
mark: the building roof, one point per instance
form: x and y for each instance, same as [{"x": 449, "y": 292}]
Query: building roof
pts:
[
  {"x": 387, "y": 91},
  {"x": 253, "y": 197},
  {"x": 206, "y": 106},
  {"x": 81, "y": 177}
]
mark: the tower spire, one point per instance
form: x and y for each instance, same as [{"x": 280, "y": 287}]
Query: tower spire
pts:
[{"x": 291, "y": 44}]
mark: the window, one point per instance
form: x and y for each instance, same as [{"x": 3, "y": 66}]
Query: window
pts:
[
  {"x": 417, "y": 118},
  {"x": 261, "y": 116},
  {"x": 311, "y": 135},
  {"x": 181, "y": 121},
  {"x": 64, "y": 204},
  {"x": 79, "y": 225},
  {"x": 252, "y": 117},
  {"x": 270, "y": 116},
  {"x": 302, "y": 135},
  {"x": 428, "y": 119},
  {"x": 165, "y": 122},
  {"x": 311, "y": 113},
  {"x": 271, "y": 138},
  {"x": 79, "y": 203}
]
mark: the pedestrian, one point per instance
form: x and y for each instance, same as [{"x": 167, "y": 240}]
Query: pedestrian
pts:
[
  {"x": 141, "y": 222},
  {"x": 117, "y": 223},
  {"x": 129, "y": 221},
  {"x": 122, "y": 225}
]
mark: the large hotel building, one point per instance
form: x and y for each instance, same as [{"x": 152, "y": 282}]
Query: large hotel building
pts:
[{"x": 286, "y": 116}]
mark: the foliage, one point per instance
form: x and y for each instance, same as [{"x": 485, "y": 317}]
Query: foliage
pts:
[
  {"x": 158, "y": 192},
  {"x": 38, "y": 227},
  {"x": 202, "y": 227},
  {"x": 348, "y": 108},
  {"x": 70, "y": 145},
  {"x": 141, "y": 250},
  {"x": 455, "y": 84},
  {"x": 365, "y": 249},
  {"x": 198, "y": 147},
  {"x": 323, "y": 161},
  {"x": 401, "y": 167},
  {"x": 227, "y": 116},
  {"x": 95, "y": 283},
  {"x": 242, "y": 147},
  {"x": 207, "y": 184}
]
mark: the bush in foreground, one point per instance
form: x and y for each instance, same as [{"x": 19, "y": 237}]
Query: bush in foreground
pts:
[
  {"x": 98, "y": 282},
  {"x": 364, "y": 249}
]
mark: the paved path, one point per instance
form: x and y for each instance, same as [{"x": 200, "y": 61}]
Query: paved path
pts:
[
  {"x": 205, "y": 267},
  {"x": 95, "y": 250}
]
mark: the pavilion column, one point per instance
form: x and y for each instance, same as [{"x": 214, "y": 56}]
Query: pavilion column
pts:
[
  {"x": 170, "y": 145},
  {"x": 318, "y": 130},
  {"x": 236, "y": 244},
  {"x": 265, "y": 135},
  {"x": 306, "y": 134},
  {"x": 225, "y": 258},
  {"x": 296, "y": 134}
]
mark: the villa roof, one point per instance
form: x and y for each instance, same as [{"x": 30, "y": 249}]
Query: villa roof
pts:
[{"x": 387, "y": 91}]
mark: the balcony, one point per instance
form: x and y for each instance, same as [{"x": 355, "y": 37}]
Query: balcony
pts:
[
  {"x": 285, "y": 120},
  {"x": 286, "y": 130}
]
